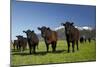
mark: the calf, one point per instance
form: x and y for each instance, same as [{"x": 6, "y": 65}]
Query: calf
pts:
[
  {"x": 15, "y": 44},
  {"x": 32, "y": 40},
  {"x": 50, "y": 37},
  {"x": 22, "y": 41}
]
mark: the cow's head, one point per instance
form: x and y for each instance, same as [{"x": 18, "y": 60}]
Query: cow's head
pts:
[
  {"x": 67, "y": 26},
  {"x": 28, "y": 33},
  {"x": 43, "y": 30},
  {"x": 19, "y": 37}
]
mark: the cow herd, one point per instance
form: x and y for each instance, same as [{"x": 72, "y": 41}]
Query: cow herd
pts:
[{"x": 50, "y": 37}]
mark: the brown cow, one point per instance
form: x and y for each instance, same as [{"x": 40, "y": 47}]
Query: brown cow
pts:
[
  {"x": 22, "y": 42},
  {"x": 72, "y": 35},
  {"x": 32, "y": 40},
  {"x": 49, "y": 36}
]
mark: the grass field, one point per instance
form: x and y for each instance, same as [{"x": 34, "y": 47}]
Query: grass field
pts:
[{"x": 87, "y": 52}]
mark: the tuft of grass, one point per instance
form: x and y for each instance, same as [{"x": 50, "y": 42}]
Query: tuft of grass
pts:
[{"x": 87, "y": 52}]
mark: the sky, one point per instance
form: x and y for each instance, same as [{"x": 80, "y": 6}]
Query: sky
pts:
[{"x": 30, "y": 15}]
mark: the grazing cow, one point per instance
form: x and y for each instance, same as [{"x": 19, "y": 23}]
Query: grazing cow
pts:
[
  {"x": 32, "y": 40},
  {"x": 49, "y": 36},
  {"x": 15, "y": 44},
  {"x": 82, "y": 39},
  {"x": 72, "y": 35},
  {"x": 22, "y": 41},
  {"x": 89, "y": 39}
]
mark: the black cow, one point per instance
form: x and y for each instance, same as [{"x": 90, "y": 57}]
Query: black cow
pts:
[
  {"x": 22, "y": 42},
  {"x": 72, "y": 35},
  {"x": 50, "y": 37},
  {"x": 82, "y": 39},
  {"x": 32, "y": 40},
  {"x": 15, "y": 44},
  {"x": 89, "y": 39}
]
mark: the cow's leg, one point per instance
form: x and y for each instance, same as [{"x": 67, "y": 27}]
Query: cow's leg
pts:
[
  {"x": 89, "y": 40},
  {"x": 53, "y": 46},
  {"x": 73, "y": 43},
  {"x": 14, "y": 47},
  {"x": 19, "y": 47},
  {"x": 47, "y": 46},
  {"x": 23, "y": 47},
  {"x": 68, "y": 46},
  {"x": 34, "y": 46},
  {"x": 77, "y": 45},
  {"x": 30, "y": 48}
]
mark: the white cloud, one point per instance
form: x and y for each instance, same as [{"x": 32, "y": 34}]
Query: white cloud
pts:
[
  {"x": 79, "y": 28},
  {"x": 60, "y": 27}
]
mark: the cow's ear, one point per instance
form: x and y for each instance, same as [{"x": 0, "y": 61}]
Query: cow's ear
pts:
[
  {"x": 39, "y": 28},
  {"x": 63, "y": 24},
  {"x": 48, "y": 28},
  {"x": 17, "y": 36},
  {"x": 24, "y": 31},
  {"x": 33, "y": 31},
  {"x": 72, "y": 23}
]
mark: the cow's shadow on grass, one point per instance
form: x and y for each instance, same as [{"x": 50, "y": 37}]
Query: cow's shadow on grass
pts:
[{"x": 41, "y": 53}]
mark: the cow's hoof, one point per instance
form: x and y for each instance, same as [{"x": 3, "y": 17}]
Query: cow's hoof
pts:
[
  {"x": 34, "y": 52},
  {"x": 73, "y": 51},
  {"x": 68, "y": 51},
  {"x": 52, "y": 51}
]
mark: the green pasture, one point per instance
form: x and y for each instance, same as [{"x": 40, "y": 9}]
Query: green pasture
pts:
[{"x": 87, "y": 52}]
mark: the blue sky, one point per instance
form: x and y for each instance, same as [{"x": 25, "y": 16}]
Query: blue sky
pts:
[{"x": 30, "y": 15}]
